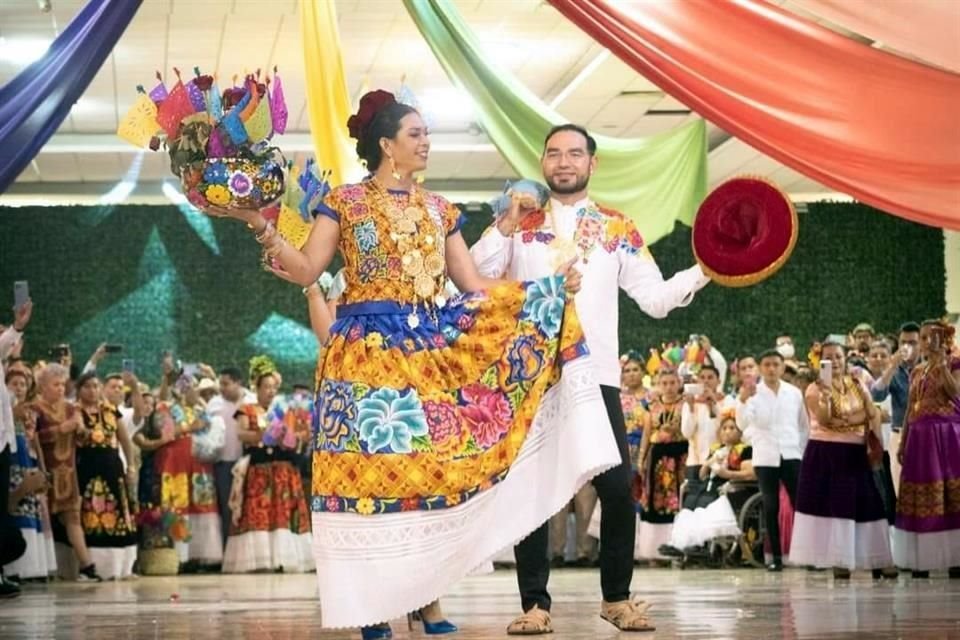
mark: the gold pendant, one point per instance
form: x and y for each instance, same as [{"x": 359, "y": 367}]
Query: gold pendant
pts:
[
  {"x": 424, "y": 286},
  {"x": 434, "y": 264},
  {"x": 412, "y": 264},
  {"x": 413, "y": 214}
]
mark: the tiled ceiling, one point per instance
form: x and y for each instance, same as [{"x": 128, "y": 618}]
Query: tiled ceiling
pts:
[{"x": 381, "y": 45}]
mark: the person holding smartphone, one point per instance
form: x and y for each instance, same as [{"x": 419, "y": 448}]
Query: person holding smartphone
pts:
[
  {"x": 894, "y": 383},
  {"x": 698, "y": 423},
  {"x": 927, "y": 533}
]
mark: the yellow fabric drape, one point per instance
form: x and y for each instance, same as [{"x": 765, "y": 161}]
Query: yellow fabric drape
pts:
[{"x": 328, "y": 102}]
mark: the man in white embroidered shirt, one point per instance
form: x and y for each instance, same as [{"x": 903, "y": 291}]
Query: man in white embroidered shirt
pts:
[
  {"x": 775, "y": 422},
  {"x": 528, "y": 243}
]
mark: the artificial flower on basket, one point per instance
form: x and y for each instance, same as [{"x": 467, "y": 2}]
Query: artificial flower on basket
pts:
[
  {"x": 219, "y": 143},
  {"x": 162, "y": 528}
]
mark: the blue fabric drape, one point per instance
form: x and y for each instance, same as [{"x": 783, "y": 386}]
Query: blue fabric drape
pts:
[{"x": 37, "y": 100}]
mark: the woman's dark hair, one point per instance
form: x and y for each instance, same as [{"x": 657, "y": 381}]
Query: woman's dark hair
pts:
[
  {"x": 233, "y": 373},
  {"x": 85, "y": 378},
  {"x": 13, "y": 373},
  {"x": 263, "y": 376},
  {"x": 385, "y": 124}
]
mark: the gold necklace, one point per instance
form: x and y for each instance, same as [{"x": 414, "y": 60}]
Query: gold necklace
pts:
[{"x": 420, "y": 244}]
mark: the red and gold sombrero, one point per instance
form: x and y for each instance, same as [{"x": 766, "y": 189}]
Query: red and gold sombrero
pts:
[{"x": 744, "y": 231}]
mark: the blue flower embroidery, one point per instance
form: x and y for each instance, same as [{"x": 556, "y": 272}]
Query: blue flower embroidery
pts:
[
  {"x": 525, "y": 359},
  {"x": 335, "y": 416},
  {"x": 365, "y": 234},
  {"x": 544, "y": 304},
  {"x": 389, "y": 420},
  {"x": 216, "y": 173}
]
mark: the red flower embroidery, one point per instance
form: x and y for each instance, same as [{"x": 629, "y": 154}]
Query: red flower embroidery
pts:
[{"x": 487, "y": 414}]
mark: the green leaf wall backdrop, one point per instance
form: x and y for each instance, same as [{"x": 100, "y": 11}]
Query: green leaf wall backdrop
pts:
[{"x": 155, "y": 278}]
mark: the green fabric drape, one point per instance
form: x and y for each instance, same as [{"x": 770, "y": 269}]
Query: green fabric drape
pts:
[{"x": 655, "y": 181}]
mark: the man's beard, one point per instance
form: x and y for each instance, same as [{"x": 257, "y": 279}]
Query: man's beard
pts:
[{"x": 577, "y": 187}]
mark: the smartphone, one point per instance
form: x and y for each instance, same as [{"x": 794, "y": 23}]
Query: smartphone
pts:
[
  {"x": 826, "y": 372},
  {"x": 936, "y": 338},
  {"x": 21, "y": 293},
  {"x": 113, "y": 348},
  {"x": 128, "y": 365},
  {"x": 694, "y": 390},
  {"x": 191, "y": 369}
]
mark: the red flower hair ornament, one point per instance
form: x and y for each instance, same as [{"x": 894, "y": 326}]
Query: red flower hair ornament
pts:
[{"x": 370, "y": 105}]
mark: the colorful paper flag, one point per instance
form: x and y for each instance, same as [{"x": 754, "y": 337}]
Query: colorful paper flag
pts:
[
  {"x": 258, "y": 126},
  {"x": 278, "y": 106},
  {"x": 174, "y": 109},
  {"x": 140, "y": 122}
]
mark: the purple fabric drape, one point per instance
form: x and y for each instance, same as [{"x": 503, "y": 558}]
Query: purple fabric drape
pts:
[{"x": 37, "y": 100}]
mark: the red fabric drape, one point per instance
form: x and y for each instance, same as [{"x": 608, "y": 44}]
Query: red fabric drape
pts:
[
  {"x": 876, "y": 126},
  {"x": 926, "y": 29}
]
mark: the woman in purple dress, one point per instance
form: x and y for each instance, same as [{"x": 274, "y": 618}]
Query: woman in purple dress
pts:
[{"x": 927, "y": 534}]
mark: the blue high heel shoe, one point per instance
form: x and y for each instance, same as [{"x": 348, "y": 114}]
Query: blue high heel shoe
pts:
[
  {"x": 431, "y": 628},
  {"x": 378, "y": 632}
]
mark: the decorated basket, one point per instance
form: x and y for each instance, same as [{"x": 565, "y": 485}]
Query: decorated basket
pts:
[
  {"x": 233, "y": 182},
  {"x": 219, "y": 142},
  {"x": 159, "y": 562},
  {"x": 744, "y": 231}
]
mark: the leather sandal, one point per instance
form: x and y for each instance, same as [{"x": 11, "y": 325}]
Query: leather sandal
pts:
[
  {"x": 534, "y": 622},
  {"x": 627, "y": 615}
]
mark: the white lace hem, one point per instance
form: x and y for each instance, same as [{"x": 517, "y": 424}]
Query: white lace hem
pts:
[
  {"x": 839, "y": 542},
  {"x": 268, "y": 550},
  {"x": 372, "y": 569}
]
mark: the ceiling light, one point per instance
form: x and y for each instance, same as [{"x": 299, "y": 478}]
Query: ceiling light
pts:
[{"x": 23, "y": 51}]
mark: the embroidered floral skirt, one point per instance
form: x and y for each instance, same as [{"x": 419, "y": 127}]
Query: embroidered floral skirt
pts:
[
  {"x": 659, "y": 498},
  {"x": 186, "y": 487},
  {"x": 105, "y": 513},
  {"x": 927, "y": 534},
  {"x": 440, "y": 444},
  {"x": 274, "y": 527}
]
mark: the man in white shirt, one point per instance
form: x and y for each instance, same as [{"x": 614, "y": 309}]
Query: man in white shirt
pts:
[
  {"x": 528, "y": 243},
  {"x": 698, "y": 423},
  {"x": 12, "y": 544},
  {"x": 774, "y": 420},
  {"x": 232, "y": 396}
]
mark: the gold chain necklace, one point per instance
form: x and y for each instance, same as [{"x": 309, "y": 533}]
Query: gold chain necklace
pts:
[{"x": 420, "y": 243}]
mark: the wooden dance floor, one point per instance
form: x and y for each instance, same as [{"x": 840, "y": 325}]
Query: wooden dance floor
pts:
[{"x": 687, "y": 604}]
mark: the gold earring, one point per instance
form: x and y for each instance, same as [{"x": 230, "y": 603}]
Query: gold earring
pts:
[{"x": 396, "y": 174}]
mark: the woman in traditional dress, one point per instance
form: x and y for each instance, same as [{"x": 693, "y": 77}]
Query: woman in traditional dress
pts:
[
  {"x": 272, "y": 529},
  {"x": 105, "y": 512},
  {"x": 839, "y": 519},
  {"x": 927, "y": 534},
  {"x": 663, "y": 458},
  {"x": 28, "y": 487},
  {"x": 431, "y": 455},
  {"x": 58, "y": 422},
  {"x": 186, "y": 483}
]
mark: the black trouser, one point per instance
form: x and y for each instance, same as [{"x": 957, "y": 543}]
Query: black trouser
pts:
[
  {"x": 12, "y": 544},
  {"x": 695, "y": 486},
  {"x": 618, "y": 528},
  {"x": 769, "y": 479},
  {"x": 223, "y": 480}
]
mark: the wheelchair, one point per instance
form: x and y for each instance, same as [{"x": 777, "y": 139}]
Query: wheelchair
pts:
[{"x": 732, "y": 551}]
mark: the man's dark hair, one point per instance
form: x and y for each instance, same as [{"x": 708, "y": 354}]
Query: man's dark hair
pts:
[
  {"x": 591, "y": 143},
  {"x": 233, "y": 373},
  {"x": 910, "y": 327},
  {"x": 710, "y": 367},
  {"x": 770, "y": 353}
]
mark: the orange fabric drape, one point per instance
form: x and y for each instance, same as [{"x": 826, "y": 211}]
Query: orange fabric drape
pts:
[{"x": 876, "y": 126}]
